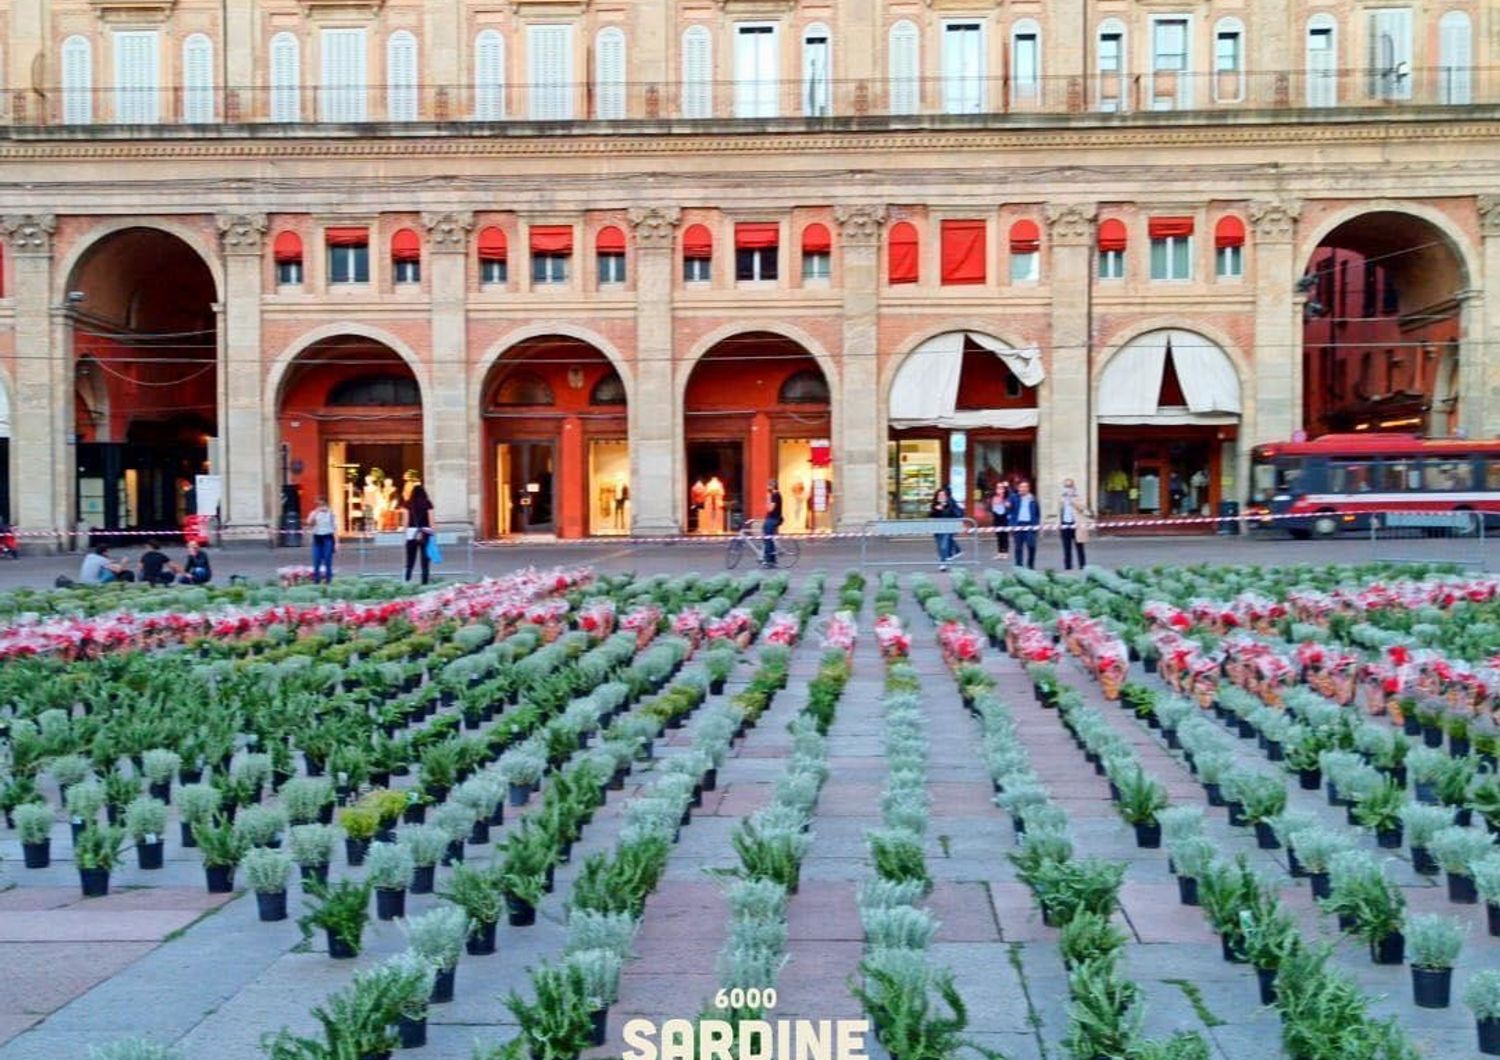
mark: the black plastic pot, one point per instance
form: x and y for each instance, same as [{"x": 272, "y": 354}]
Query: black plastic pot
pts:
[
  {"x": 220, "y": 878},
  {"x": 1426, "y": 793},
  {"x": 1237, "y": 817},
  {"x": 1389, "y": 950},
  {"x": 479, "y": 833},
  {"x": 1266, "y": 979},
  {"x": 455, "y": 853},
  {"x": 519, "y": 793},
  {"x": 1247, "y": 730},
  {"x": 37, "y": 855},
  {"x": 1293, "y": 865},
  {"x": 422, "y": 880},
  {"x": 1274, "y": 751},
  {"x": 1320, "y": 885},
  {"x": 1489, "y": 1035},
  {"x": 390, "y": 903},
  {"x": 519, "y": 913},
  {"x": 1310, "y": 779},
  {"x": 442, "y": 986},
  {"x": 598, "y": 1026},
  {"x": 1432, "y": 987},
  {"x": 313, "y": 873},
  {"x": 1422, "y": 861},
  {"x": 710, "y": 779},
  {"x": 1347, "y": 922},
  {"x": 161, "y": 792},
  {"x": 338, "y": 949},
  {"x": 1411, "y": 725},
  {"x": 1458, "y": 746},
  {"x": 415, "y": 813},
  {"x": 1229, "y": 951},
  {"x": 149, "y": 855},
  {"x": 1265, "y": 836},
  {"x": 355, "y": 851},
  {"x": 1215, "y": 796},
  {"x": 1187, "y": 890},
  {"x": 716, "y": 688},
  {"x": 1390, "y": 838},
  {"x": 271, "y": 905},
  {"x": 497, "y": 815},
  {"x": 188, "y": 839},
  {"x": 1148, "y": 835},
  {"x": 1461, "y": 889},
  {"x": 1432, "y": 736},
  {"x": 412, "y": 1033},
  {"x": 94, "y": 882},
  {"x": 481, "y": 940},
  {"x": 1492, "y": 914}
]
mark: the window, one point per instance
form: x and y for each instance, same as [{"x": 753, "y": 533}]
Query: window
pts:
[
  {"x": 1111, "y": 65},
  {"x": 1171, "y": 80},
  {"x": 697, "y": 254},
  {"x": 903, "y": 257},
  {"x": 905, "y": 69},
  {"x": 1025, "y": 252},
  {"x": 406, "y": 256},
  {"x": 807, "y": 387},
  {"x": 287, "y": 250},
  {"x": 609, "y": 74},
  {"x": 610, "y": 248},
  {"x": 1398, "y": 476},
  {"x": 1229, "y": 248},
  {"x": 1111, "y": 264},
  {"x": 1448, "y": 476},
  {"x": 817, "y": 253},
  {"x": 609, "y": 390},
  {"x": 817, "y": 72},
  {"x": 755, "y": 251},
  {"x": 963, "y": 67},
  {"x": 551, "y": 247},
  {"x": 492, "y": 256},
  {"x": 549, "y": 61},
  {"x": 401, "y": 77},
  {"x": 1112, "y": 237},
  {"x": 524, "y": 388},
  {"x": 286, "y": 78},
  {"x": 137, "y": 77},
  {"x": 1390, "y": 53},
  {"x": 697, "y": 73},
  {"x": 1229, "y": 61},
  {"x": 489, "y": 76},
  {"x": 198, "y": 79},
  {"x": 756, "y": 80},
  {"x": 77, "y": 81},
  {"x": 1455, "y": 59},
  {"x": 1025, "y": 61},
  {"x": 375, "y": 390},
  {"x": 342, "y": 96},
  {"x": 1171, "y": 248},
  {"x": 348, "y": 254},
  {"x": 1322, "y": 62},
  {"x": 964, "y": 256}
]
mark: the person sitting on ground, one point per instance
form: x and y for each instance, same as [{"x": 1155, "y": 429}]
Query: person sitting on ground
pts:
[
  {"x": 156, "y": 568},
  {"x": 195, "y": 568},
  {"x": 97, "y": 568}
]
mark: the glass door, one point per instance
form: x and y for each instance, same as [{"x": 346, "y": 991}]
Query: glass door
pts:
[{"x": 526, "y": 486}]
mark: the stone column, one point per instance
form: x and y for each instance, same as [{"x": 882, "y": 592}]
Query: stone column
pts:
[
  {"x": 41, "y": 405},
  {"x": 1479, "y": 365},
  {"x": 1066, "y": 430},
  {"x": 1277, "y": 361},
  {"x": 657, "y": 461},
  {"x": 445, "y": 408},
  {"x": 859, "y": 414},
  {"x": 248, "y": 488}
]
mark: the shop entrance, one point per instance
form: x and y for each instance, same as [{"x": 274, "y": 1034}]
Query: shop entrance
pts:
[
  {"x": 968, "y": 463},
  {"x": 526, "y": 487},
  {"x": 369, "y": 480},
  {"x": 1163, "y": 477},
  {"x": 716, "y": 477}
]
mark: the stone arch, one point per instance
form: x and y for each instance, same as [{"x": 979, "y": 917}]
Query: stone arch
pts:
[
  {"x": 1217, "y": 336},
  {"x": 498, "y": 349},
  {"x": 276, "y": 378},
  {"x": 1458, "y": 243},
  {"x": 917, "y": 340},
  {"x": 790, "y": 332}
]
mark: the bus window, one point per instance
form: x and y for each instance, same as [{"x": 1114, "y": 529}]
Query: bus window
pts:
[
  {"x": 1448, "y": 476},
  {"x": 1492, "y": 476},
  {"x": 1398, "y": 476},
  {"x": 1350, "y": 477}
]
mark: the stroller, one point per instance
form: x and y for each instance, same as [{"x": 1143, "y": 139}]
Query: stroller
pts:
[{"x": 8, "y": 543}]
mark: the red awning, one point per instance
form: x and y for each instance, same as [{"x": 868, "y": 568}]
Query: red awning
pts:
[
  {"x": 963, "y": 252},
  {"x": 552, "y": 239},
  {"x": 1229, "y": 232},
  {"x": 1025, "y": 237},
  {"x": 1165, "y": 227},
  {"x": 287, "y": 248},
  {"x": 697, "y": 243},
  {"x": 492, "y": 244},
  {"x": 903, "y": 264},
  {"x": 756, "y": 236},
  {"x": 611, "y": 241},
  {"x": 406, "y": 245},
  {"x": 1112, "y": 234},
  {"x": 346, "y": 237},
  {"x": 816, "y": 240}
]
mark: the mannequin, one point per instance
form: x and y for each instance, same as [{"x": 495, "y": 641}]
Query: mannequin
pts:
[
  {"x": 622, "y": 498},
  {"x": 389, "y": 506},
  {"x": 697, "y": 496},
  {"x": 799, "y": 505},
  {"x": 713, "y": 505}
]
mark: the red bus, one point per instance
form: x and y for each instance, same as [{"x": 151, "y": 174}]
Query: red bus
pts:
[{"x": 1336, "y": 482}]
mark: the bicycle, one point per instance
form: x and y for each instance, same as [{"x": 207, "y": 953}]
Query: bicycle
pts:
[{"x": 788, "y": 550}]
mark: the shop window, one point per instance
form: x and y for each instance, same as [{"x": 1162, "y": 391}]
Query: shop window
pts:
[
  {"x": 551, "y": 249},
  {"x": 697, "y": 254},
  {"x": 524, "y": 388},
  {"x": 1025, "y": 252},
  {"x": 817, "y": 252},
  {"x": 348, "y": 255},
  {"x": 287, "y": 250},
  {"x": 611, "y": 255},
  {"x": 1171, "y": 248},
  {"x": 964, "y": 257},
  {"x": 1111, "y": 238},
  {"x": 1229, "y": 248},
  {"x": 755, "y": 251},
  {"x": 378, "y": 390},
  {"x": 804, "y": 388},
  {"x": 406, "y": 257},
  {"x": 493, "y": 263},
  {"x": 608, "y": 391},
  {"x": 1492, "y": 475},
  {"x": 902, "y": 265}
]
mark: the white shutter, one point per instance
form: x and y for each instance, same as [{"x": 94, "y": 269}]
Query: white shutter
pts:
[
  {"x": 1390, "y": 53},
  {"x": 549, "y": 58},
  {"x": 905, "y": 70},
  {"x": 489, "y": 76},
  {"x": 198, "y": 79},
  {"x": 137, "y": 77},
  {"x": 344, "y": 78},
  {"x": 756, "y": 74},
  {"x": 963, "y": 67},
  {"x": 77, "y": 81},
  {"x": 1322, "y": 62},
  {"x": 697, "y": 73},
  {"x": 817, "y": 72},
  {"x": 1455, "y": 59},
  {"x": 401, "y": 76},
  {"x": 1026, "y": 61},
  {"x": 609, "y": 74},
  {"x": 286, "y": 78}
]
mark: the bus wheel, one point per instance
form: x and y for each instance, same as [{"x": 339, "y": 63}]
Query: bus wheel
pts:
[
  {"x": 1299, "y": 535},
  {"x": 1325, "y": 524},
  {"x": 1470, "y": 526}
]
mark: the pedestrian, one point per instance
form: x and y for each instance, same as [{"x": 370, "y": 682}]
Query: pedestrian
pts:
[
  {"x": 195, "y": 568},
  {"x": 772, "y": 522},
  {"x": 1000, "y": 517},
  {"x": 418, "y": 509},
  {"x": 155, "y": 567},
  {"x": 945, "y": 507},
  {"x": 324, "y": 534},
  {"x": 1072, "y": 525},
  {"x": 1025, "y": 517},
  {"x": 98, "y": 569}
]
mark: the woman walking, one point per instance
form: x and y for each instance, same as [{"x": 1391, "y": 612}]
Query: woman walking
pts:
[
  {"x": 1072, "y": 526},
  {"x": 324, "y": 533},
  {"x": 1000, "y": 517},
  {"x": 418, "y": 510},
  {"x": 944, "y": 507}
]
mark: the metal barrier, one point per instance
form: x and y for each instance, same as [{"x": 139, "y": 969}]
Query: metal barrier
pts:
[
  {"x": 1447, "y": 537},
  {"x": 382, "y": 554},
  {"x": 910, "y": 529}
]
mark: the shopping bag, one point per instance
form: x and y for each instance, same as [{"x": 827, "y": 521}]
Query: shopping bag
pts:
[{"x": 434, "y": 554}]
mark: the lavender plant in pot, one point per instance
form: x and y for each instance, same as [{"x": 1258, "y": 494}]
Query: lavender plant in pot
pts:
[
  {"x": 1435, "y": 943},
  {"x": 1269, "y": 935},
  {"x": 34, "y": 825},
  {"x": 1421, "y": 822},
  {"x": 389, "y": 868},
  {"x": 1456, "y": 849},
  {"x": 222, "y": 848},
  {"x": 159, "y": 766},
  {"x": 438, "y": 937},
  {"x": 426, "y": 844},
  {"x": 96, "y": 852},
  {"x": 266, "y": 873},
  {"x": 1264, "y": 799},
  {"x": 1371, "y": 905},
  {"x": 1378, "y": 807},
  {"x": 196, "y": 805},
  {"x": 311, "y": 847},
  {"x": 1482, "y": 996},
  {"x": 1192, "y": 857},
  {"x": 1486, "y": 873},
  {"x": 84, "y": 801},
  {"x": 409, "y": 983},
  {"x": 260, "y": 826},
  {"x": 308, "y": 800},
  {"x": 1315, "y": 847},
  {"x": 146, "y": 821},
  {"x": 601, "y": 976}
]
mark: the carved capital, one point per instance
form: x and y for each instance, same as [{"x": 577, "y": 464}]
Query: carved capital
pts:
[
  {"x": 242, "y": 233},
  {"x": 29, "y": 234},
  {"x": 1275, "y": 219},
  {"x": 448, "y": 231},
  {"x": 1072, "y": 223},
  {"x": 655, "y": 226},
  {"x": 1489, "y": 215},
  {"x": 860, "y": 224}
]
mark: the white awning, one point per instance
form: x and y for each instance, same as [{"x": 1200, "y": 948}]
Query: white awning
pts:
[
  {"x": 1131, "y": 384},
  {"x": 976, "y": 419},
  {"x": 925, "y": 391},
  {"x": 4, "y": 413}
]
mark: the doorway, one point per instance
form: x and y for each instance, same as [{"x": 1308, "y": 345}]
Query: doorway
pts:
[
  {"x": 526, "y": 487},
  {"x": 715, "y": 486},
  {"x": 368, "y": 482}
]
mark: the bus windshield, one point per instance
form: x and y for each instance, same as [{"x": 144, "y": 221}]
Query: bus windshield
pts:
[{"x": 1271, "y": 477}]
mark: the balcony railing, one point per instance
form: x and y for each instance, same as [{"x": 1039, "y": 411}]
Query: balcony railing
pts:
[{"x": 896, "y": 100}]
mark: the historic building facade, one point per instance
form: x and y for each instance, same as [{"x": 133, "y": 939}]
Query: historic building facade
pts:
[{"x": 594, "y": 266}]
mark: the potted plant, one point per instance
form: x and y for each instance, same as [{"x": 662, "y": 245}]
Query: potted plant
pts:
[
  {"x": 438, "y": 936},
  {"x": 96, "y": 852},
  {"x": 266, "y": 873},
  {"x": 1456, "y": 849},
  {"x": 342, "y": 910},
  {"x": 1435, "y": 943},
  {"x": 1486, "y": 873},
  {"x": 1379, "y": 808},
  {"x": 1192, "y": 858},
  {"x": 478, "y": 895},
  {"x": 311, "y": 847},
  {"x": 389, "y": 869},
  {"x": 426, "y": 844},
  {"x": 521, "y": 768},
  {"x": 1264, "y": 799},
  {"x": 34, "y": 823},
  {"x": 1421, "y": 822},
  {"x": 145, "y": 821},
  {"x": 439, "y": 770},
  {"x": 159, "y": 767},
  {"x": 260, "y": 826},
  {"x": 1141, "y": 799},
  {"x": 560, "y": 1015},
  {"x": 222, "y": 849},
  {"x": 83, "y": 802},
  {"x": 360, "y": 823},
  {"x": 1482, "y": 995},
  {"x": 1315, "y": 847},
  {"x": 196, "y": 804},
  {"x": 601, "y": 977},
  {"x": 408, "y": 982},
  {"x": 308, "y": 800},
  {"x": 456, "y": 821},
  {"x": 1374, "y": 908}
]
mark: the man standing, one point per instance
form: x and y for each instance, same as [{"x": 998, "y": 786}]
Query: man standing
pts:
[
  {"x": 772, "y": 522},
  {"x": 97, "y": 568},
  {"x": 1025, "y": 517}
]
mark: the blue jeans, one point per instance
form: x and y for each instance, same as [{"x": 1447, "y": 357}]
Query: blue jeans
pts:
[
  {"x": 769, "y": 529},
  {"x": 322, "y": 557},
  {"x": 946, "y": 549},
  {"x": 1025, "y": 544}
]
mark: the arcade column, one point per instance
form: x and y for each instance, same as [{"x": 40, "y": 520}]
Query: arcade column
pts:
[
  {"x": 247, "y": 498},
  {"x": 41, "y": 408},
  {"x": 1278, "y": 324},
  {"x": 1065, "y": 427},
  {"x": 1479, "y": 362},
  {"x": 446, "y": 422}
]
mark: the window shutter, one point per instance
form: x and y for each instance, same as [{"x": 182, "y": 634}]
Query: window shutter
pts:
[
  {"x": 1455, "y": 57},
  {"x": 1112, "y": 234},
  {"x": 552, "y": 239},
  {"x": 343, "y": 95},
  {"x": 198, "y": 79},
  {"x": 697, "y": 243},
  {"x": 1322, "y": 63},
  {"x": 964, "y": 255},
  {"x": 489, "y": 76},
  {"x": 287, "y": 248},
  {"x": 406, "y": 245},
  {"x": 610, "y": 241},
  {"x": 903, "y": 249},
  {"x": 137, "y": 77},
  {"x": 905, "y": 69},
  {"x": 756, "y": 76},
  {"x": 697, "y": 73},
  {"x": 1229, "y": 232},
  {"x": 492, "y": 244},
  {"x": 817, "y": 72},
  {"x": 401, "y": 76},
  {"x": 78, "y": 81},
  {"x": 609, "y": 75},
  {"x": 549, "y": 55},
  {"x": 1025, "y": 237},
  {"x": 286, "y": 78},
  {"x": 816, "y": 239},
  {"x": 757, "y": 235}
]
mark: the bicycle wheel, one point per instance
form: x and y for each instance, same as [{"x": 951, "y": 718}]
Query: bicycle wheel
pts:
[
  {"x": 788, "y": 552},
  {"x": 733, "y": 552}
]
